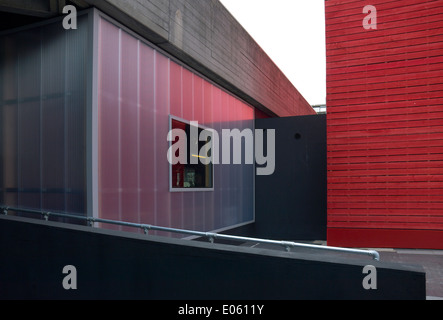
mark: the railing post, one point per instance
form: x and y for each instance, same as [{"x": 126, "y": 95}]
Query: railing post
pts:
[
  {"x": 146, "y": 229},
  {"x": 375, "y": 255},
  {"x": 211, "y": 237},
  {"x": 91, "y": 222},
  {"x": 287, "y": 246}
]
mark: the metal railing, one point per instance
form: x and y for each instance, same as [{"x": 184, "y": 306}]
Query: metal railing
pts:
[{"x": 211, "y": 236}]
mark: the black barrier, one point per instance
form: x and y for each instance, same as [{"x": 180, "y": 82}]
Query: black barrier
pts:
[{"x": 50, "y": 260}]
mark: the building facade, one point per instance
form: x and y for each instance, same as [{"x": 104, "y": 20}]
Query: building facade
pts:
[
  {"x": 85, "y": 113},
  {"x": 385, "y": 122}
]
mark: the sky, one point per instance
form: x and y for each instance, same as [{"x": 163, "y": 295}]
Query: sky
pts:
[{"x": 292, "y": 33}]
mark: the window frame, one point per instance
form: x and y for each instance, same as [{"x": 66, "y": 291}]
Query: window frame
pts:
[{"x": 171, "y": 189}]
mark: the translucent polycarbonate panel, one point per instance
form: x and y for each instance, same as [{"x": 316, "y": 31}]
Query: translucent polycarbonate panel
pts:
[
  {"x": 139, "y": 89},
  {"x": 147, "y": 126},
  {"x": 42, "y": 117},
  {"x": 163, "y": 196}
]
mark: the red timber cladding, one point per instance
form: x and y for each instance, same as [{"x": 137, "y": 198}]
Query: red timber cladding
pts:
[{"x": 385, "y": 124}]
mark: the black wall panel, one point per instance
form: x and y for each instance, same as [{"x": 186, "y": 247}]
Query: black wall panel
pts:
[{"x": 291, "y": 204}]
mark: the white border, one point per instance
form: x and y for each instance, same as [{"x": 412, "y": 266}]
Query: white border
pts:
[{"x": 92, "y": 134}]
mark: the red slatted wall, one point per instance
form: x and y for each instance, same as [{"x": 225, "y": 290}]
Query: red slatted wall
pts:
[{"x": 385, "y": 124}]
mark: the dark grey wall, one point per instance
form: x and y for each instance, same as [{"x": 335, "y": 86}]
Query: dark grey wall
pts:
[
  {"x": 115, "y": 265},
  {"x": 291, "y": 204}
]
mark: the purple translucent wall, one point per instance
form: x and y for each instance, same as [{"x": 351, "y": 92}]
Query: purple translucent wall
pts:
[
  {"x": 42, "y": 117},
  {"x": 139, "y": 88}
]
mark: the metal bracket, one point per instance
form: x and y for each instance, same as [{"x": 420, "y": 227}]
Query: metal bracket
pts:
[
  {"x": 46, "y": 215},
  {"x": 287, "y": 245},
  {"x": 91, "y": 222},
  {"x": 211, "y": 237},
  {"x": 146, "y": 229}
]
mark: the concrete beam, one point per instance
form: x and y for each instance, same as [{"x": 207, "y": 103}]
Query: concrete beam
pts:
[
  {"x": 149, "y": 18},
  {"x": 80, "y": 3},
  {"x": 37, "y": 8},
  {"x": 205, "y": 36},
  {"x": 56, "y": 6},
  {"x": 202, "y": 34}
]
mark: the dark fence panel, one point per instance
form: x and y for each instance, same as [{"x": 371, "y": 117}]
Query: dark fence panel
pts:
[{"x": 115, "y": 265}]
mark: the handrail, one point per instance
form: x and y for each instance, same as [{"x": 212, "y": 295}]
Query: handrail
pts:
[{"x": 211, "y": 236}]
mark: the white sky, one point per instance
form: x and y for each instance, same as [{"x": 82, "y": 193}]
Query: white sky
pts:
[{"x": 292, "y": 33}]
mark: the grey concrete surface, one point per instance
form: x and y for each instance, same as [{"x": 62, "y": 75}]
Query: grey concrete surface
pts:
[{"x": 204, "y": 35}]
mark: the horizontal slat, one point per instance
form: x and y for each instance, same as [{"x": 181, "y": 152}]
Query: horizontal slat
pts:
[
  {"x": 405, "y": 165},
  {"x": 374, "y": 74},
  {"x": 384, "y": 163},
  {"x": 385, "y": 205},
  {"x": 379, "y": 225},
  {"x": 388, "y": 65},
  {"x": 371, "y": 54},
  {"x": 391, "y": 52},
  {"x": 411, "y": 124},
  {"x": 369, "y": 119},
  {"x": 432, "y": 146},
  {"x": 387, "y": 79},
  {"x": 374, "y": 112},
  {"x": 365, "y": 49},
  {"x": 396, "y": 24},
  {"x": 386, "y": 132},
  {"x": 402, "y": 83},
  {"x": 351, "y": 141},
  {"x": 340, "y": 5},
  {"x": 386, "y": 98},
  {"x": 386, "y": 174},
  {"x": 385, "y": 145},
  {"x": 380, "y": 108},
  {"x": 382, "y": 91},
  {"x": 394, "y": 212},
  {"x": 386, "y": 185},
  {"x": 386, "y": 196},
  {"x": 385, "y": 11},
  {"x": 385, "y": 218},
  {"x": 388, "y": 179}
]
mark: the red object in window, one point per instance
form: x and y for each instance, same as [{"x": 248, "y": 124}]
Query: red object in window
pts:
[{"x": 178, "y": 170}]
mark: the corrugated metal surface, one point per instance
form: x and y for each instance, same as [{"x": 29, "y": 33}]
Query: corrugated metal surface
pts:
[
  {"x": 385, "y": 117},
  {"x": 43, "y": 98},
  {"x": 139, "y": 88}
]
